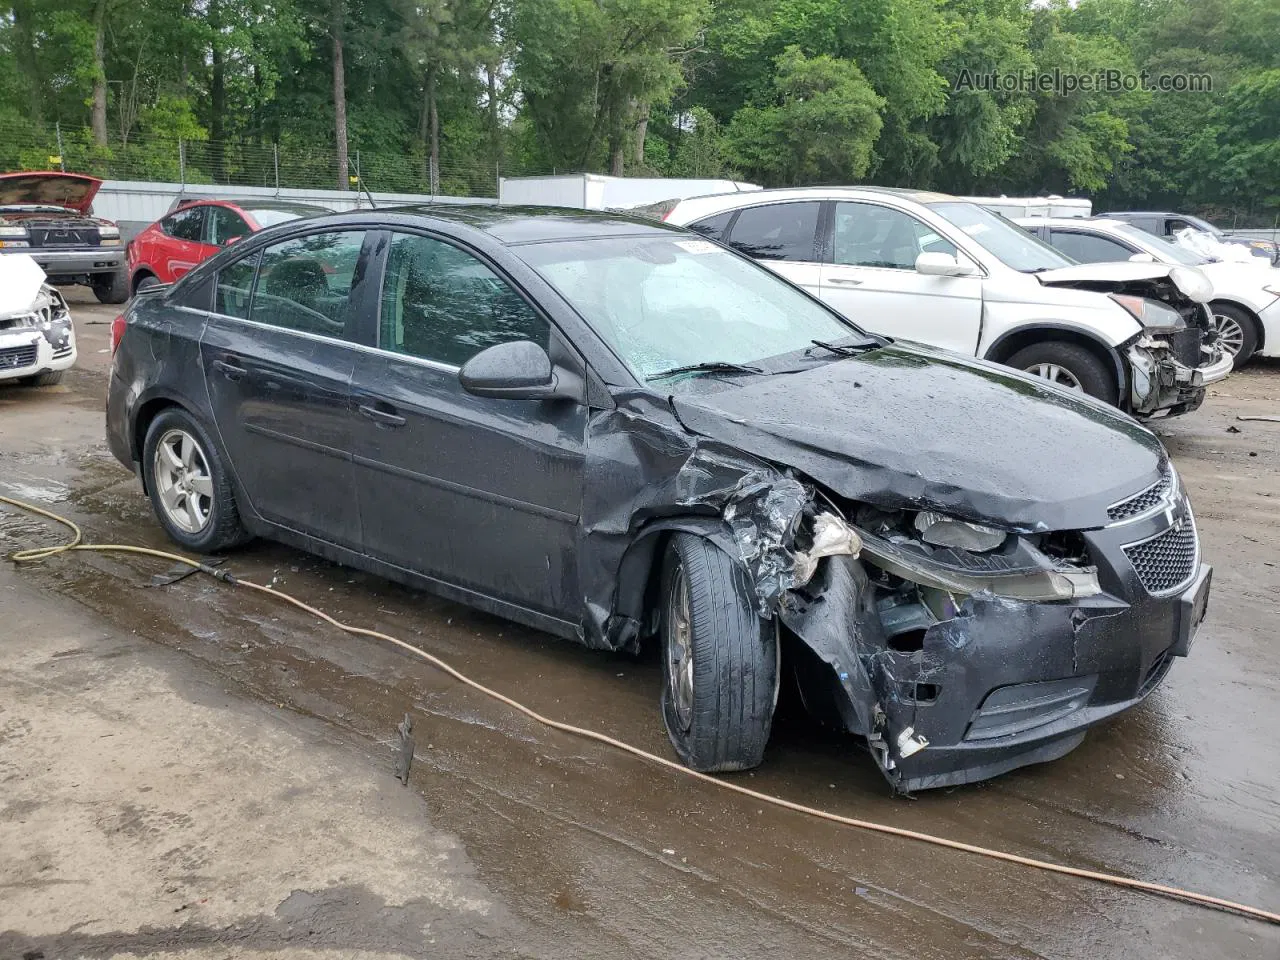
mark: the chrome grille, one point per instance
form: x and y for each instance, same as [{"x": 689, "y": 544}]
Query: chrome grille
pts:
[
  {"x": 15, "y": 358},
  {"x": 1148, "y": 499},
  {"x": 1168, "y": 560}
]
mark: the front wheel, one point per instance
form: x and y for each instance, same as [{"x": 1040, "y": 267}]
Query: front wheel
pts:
[
  {"x": 189, "y": 486},
  {"x": 1068, "y": 365},
  {"x": 720, "y": 681},
  {"x": 1236, "y": 332},
  {"x": 111, "y": 287}
]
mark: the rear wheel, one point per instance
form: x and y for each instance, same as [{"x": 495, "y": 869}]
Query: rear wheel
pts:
[
  {"x": 721, "y": 658},
  {"x": 111, "y": 287},
  {"x": 144, "y": 280},
  {"x": 189, "y": 485},
  {"x": 1237, "y": 332},
  {"x": 1068, "y": 365}
]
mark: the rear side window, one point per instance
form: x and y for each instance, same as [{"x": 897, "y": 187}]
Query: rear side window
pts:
[
  {"x": 235, "y": 287},
  {"x": 440, "y": 303},
  {"x": 221, "y": 225},
  {"x": 186, "y": 224},
  {"x": 713, "y": 227},
  {"x": 1089, "y": 248},
  {"x": 305, "y": 283},
  {"x": 777, "y": 231}
]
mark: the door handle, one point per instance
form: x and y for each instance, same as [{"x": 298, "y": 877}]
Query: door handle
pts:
[
  {"x": 384, "y": 418},
  {"x": 229, "y": 370},
  {"x": 845, "y": 281}
]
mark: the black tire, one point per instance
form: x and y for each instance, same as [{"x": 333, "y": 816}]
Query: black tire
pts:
[
  {"x": 1248, "y": 330},
  {"x": 734, "y": 655},
  {"x": 50, "y": 378},
  {"x": 223, "y": 528},
  {"x": 144, "y": 280},
  {"x": 1080, "y": 363},
  {"x": 111, "y": 287}
]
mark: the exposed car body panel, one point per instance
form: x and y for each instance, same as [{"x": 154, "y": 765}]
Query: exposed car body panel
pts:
[
  {"x": 553, "y": 512},
  {"x": 37, "y": 335}
]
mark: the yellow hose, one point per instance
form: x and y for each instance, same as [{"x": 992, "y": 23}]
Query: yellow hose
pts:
[{"x": 77, "y": 544}]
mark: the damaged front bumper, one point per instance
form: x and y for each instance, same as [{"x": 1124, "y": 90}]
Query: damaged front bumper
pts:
[
  {"x": 954, "y": 689},
  {"x": 1160, "y": 383}
]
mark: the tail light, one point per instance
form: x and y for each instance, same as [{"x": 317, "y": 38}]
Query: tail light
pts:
[{"x": 117, "y": 331}]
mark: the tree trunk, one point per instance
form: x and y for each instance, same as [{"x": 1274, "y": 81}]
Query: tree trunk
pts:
[
  {"x": 424, "y": 135},
  {"x": 217, "y": 93},
  {"x": 340, "y": 92},
  {"x": 617, "y": 136},
  {"x": 27, "y": 60},
  {"x": 495, "y": 131},
  {"x": 642, "y": 130},
  {"x": 434, "y": 123},
  {"x": 99, "y": 118}
]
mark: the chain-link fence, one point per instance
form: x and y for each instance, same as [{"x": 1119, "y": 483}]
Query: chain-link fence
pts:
[{"x": 285, "y": 164}]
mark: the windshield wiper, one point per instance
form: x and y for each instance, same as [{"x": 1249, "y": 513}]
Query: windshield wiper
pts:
[
  {"x": 710, "y": 366},
  {"x": 835, "y": 348}
]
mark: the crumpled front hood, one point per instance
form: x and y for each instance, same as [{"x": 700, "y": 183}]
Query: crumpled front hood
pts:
[
  {"x": 1118, "y": 272},
  {"x": 912, "y": 427}
]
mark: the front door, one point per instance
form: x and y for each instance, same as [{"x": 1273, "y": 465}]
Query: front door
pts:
[
  {"x": 870, "y": 276},
  {"x": 480, "y": 493},
  {"x": 278, "y": 361}
]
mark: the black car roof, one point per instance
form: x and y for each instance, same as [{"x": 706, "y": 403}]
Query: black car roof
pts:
[{"x": 519, "y": 224}]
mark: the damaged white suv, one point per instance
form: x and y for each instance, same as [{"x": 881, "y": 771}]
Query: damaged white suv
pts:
[
  {"x": 942, "y": 271},
  {"x": 37, "y": 337}
]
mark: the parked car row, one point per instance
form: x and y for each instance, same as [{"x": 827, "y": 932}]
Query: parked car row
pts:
[{"x": 623, "y": 432}]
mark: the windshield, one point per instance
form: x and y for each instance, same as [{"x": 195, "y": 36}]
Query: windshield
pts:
[
  {"x": 675, "y": 301},
  {"x": 1164, "y": 250},
  {"x": 1204, "y": 225},
  {"x": 270, "y": 216},
  {"x": 1009, "y": 243}
]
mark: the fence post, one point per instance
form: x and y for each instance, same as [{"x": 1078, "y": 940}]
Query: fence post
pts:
[
  {"x": 359, "y": 182},
  {"x": 275, "y": 165},
  {"x": 182, "y": 166},
  {"x": 497, "y": 179},
  {"x": 434, "y": 174},
  {"x": 57, "y": 131}
]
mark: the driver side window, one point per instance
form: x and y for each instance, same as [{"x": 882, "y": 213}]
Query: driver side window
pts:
[
  {"x": 305, "y": 283},
  {"x": 869, "y": 235}
]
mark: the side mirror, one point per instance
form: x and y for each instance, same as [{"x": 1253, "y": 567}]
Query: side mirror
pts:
[
  {"x": 519, "y": 370},
  {"x": 1142, "y": 258},
  {"x": 943, "y": 265}
]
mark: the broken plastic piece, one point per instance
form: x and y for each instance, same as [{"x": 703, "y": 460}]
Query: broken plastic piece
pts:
[
  {"x": 832, "y": 537},
  {"x": 909, "y": 744}
]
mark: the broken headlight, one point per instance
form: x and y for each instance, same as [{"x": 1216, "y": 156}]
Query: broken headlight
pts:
[
  {"x": 1154, "y": 316},
  {"x": 1006, "y": 565},
  {"x": 944, "y": 531}
]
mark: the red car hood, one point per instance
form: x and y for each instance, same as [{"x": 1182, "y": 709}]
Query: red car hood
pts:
[{"x": 74, "y": 191}]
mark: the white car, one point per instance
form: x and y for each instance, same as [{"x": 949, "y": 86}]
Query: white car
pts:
[
  {"x": 1246, "y": 299},
  {"x": 944, "y": 271},
  {"x": 37, "y": 337}
]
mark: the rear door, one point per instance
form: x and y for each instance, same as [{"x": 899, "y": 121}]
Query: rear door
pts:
[
  {"x": 484, "y": 494},
  {"x": 870, "y": 276},
  {"x": 278, "y": 357},
  {"x": 183, "y": 245},
  {"x": 783, "y": 236}
]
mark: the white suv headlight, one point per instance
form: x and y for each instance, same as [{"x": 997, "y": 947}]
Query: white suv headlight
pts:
[{"x": 1152, "y": 314}]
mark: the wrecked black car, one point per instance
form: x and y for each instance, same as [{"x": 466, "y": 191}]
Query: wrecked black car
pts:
[{"x": 622, "y": 433}]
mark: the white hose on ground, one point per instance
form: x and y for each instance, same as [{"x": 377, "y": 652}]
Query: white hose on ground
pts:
[{"x": 76, "y": 543}]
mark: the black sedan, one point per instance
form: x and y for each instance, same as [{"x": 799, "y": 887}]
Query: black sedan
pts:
[{"x": 617, "y": 431}]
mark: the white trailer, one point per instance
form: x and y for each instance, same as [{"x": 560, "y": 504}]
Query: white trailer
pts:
[
  {"x": 592, "y": 191},
  {"x": 1050, "y": 206}
]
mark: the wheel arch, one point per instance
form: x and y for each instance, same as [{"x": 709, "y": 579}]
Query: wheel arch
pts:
[
  {"x": 1007, "y": 344},
  {"x": 139, "y": 274}
]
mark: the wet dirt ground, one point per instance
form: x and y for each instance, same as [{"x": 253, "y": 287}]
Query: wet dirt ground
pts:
[{"x": 589, "y": 853}]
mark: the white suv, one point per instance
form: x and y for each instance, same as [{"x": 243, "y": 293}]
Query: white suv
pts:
[
  {"x": 944, "y": 271},
  {"x": 1246, "y": 297}
]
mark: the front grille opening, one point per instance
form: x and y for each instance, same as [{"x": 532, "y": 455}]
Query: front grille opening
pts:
[
  {"x": 15, "y": 358},
  {"x": 1167, "y": 561},
  {"x": 1066, "y": 545},
  {"x": 1148, "y": 499},
  {"x": 926, "y": 692},
  {"x": 1156, "y": 672}
]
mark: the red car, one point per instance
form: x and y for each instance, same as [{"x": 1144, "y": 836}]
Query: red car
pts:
[{"x": 196, "y": 230}]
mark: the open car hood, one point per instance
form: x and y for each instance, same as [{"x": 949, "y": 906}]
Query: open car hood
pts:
[
  {"x": 75, "y": 191},
  {"x": 909, "y": 427},
  {"x": 1092, "y": 274}
]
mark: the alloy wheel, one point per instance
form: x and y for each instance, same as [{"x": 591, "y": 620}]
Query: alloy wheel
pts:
[
  {"x": 183, "y": 481},
  {"x": 1230, "y": 333},
  {"x": 1056, "y": 373},
  {"x": 679, "y": 649}
]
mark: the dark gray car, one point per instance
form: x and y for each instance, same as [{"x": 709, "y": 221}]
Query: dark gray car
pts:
[{"x": 618, "y": 431}]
